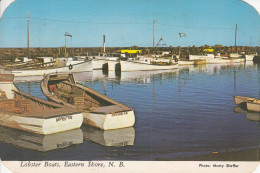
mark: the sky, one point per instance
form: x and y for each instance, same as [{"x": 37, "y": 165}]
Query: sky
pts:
[{"x": 129, "y": 22}]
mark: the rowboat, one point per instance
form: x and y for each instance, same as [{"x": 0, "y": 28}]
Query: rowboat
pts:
[
  {"x": 24, "y": 112},
  {"x": 98, "y": 110},
  {"x": 117, "y": 138},
  {"x": 241, "y": 99},
  {"x": 42, "y": 143}
]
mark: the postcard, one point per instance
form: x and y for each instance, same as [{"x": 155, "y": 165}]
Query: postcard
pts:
[{"x": 129, "y": 86}]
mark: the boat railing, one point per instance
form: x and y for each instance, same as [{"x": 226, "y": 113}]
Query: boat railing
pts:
[{"x": 35, "y": 99}]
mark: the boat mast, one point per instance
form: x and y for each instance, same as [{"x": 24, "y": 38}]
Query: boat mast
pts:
[
  {"x": 236, "y": 39},
  {"x": 28, "y": 40},
  {"x": 154, "y": 21}
]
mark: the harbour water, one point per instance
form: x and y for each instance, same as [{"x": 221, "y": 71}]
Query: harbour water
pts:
[{"x": 179, "y": 113}]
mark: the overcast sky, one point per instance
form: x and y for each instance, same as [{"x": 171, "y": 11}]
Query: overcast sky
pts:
[{"x": 129, "y": 22}]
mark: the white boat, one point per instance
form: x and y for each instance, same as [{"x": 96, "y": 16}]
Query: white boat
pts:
[
  {"x": 24, "y": 112},
  {"x": 100, "y": 61},
  {"x": 204, "y": 56},
  {"x": 98, "y": 110},
  {"x": 143, "y": 63},
  {"x": 40, "y": 71},
  {"x": 42, "y": 143},
  {"x": 250, "y": 56},
  {"x": 117, "y": 138}
]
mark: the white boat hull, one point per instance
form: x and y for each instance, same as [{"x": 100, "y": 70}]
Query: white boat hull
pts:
[
  {"x": 80, "y": 67},
  {"x": 235, "y": 55},
  {"x": 112, "y": 65},
  {"x": 253, "y": 106},
  {"x": 135, "y": 66},
  {"x": 110, "y": 121},
  {"x": 98, "y": 64},
  {"x": 201, "y": 57},
  {"x": 249, "y": 57},
  {"x": 40, "y": 125}
]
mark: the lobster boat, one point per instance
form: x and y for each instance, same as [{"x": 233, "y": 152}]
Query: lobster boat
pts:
[
  {"x": 98, "y": 110},
  {"x": 50, "y": 67},
  {"x": 24, "y": 112}
]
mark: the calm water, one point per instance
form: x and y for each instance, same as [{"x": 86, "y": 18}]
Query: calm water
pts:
[{"x": 179, "y": 113}]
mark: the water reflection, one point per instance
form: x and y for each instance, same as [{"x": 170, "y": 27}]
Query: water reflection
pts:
[
  {"x": 253, "y": 116},
  {"x": 181, "y": 112},
  {"x": 117, "y": 137},
  {"x": 40, "y": 142}
]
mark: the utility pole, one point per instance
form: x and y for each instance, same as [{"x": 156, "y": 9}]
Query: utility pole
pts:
[
  {"x": 236, "y": 39},
  {"x": 154, "y": 21},
  {"x": 28, "y": 42},
  {"x": 66, "y": 35},
  {"x": 181, "y": 35},
  {"x": 250, "y": 40},
  {"x": 104, "y": 42}
]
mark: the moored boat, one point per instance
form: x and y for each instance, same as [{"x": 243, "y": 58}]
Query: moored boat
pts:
[
  {"x": 98, "y": 110},
  {"x": 24, "y": 112},
  {"x": 42, "y": 70},
  {"x": 146, "y": 64}
]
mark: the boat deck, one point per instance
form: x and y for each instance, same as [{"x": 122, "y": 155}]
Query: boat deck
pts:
[
  {"x": 109, "y": 109},
  {"x": 25, "y": 105}
]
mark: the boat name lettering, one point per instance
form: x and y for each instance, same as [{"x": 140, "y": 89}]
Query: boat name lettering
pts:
[
  {"x": 64, "y": 118},
  {"x": 119, "y": 114}
]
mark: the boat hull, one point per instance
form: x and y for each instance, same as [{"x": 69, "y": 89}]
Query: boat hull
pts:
[
  {"x": 135, "y": 66},
  {"x": 109, "y": 121},
  {"x": 249, "y": 57},
  {"x": 201, "y": 57},
  {"x": 112, "y": 65},
  {"x": 253, "y": 106},
  {"x": 98, "y": 64},
  {"x": 74, "y": 68},
  {"x": 42, "y": 125}
]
